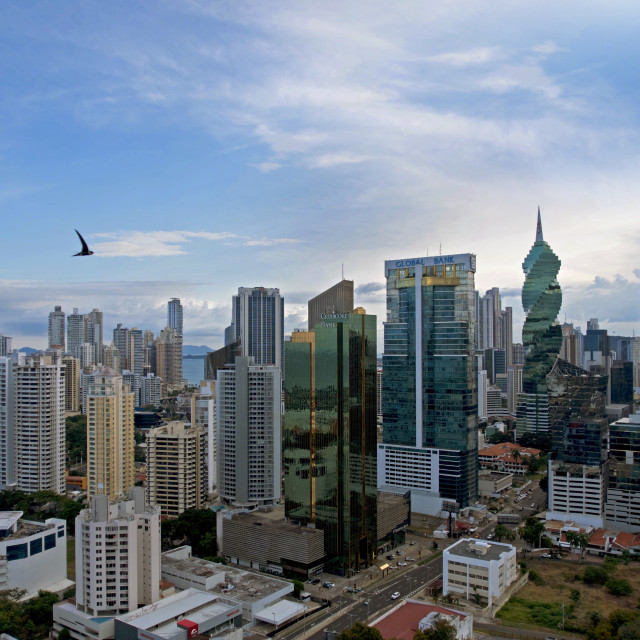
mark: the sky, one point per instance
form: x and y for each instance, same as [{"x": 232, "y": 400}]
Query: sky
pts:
[{"x": 204, "y": 146}]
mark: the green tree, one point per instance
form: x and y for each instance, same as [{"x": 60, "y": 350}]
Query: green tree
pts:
[
  {"x": 298, "y": 588},
  {"x": 195, "y": 527},
  {"x": 360, "y": 631},
  {"x": 64, "y": 634},
  {"x": 441, "y": 630},
  {"x": 76, "y": 439},
  {"x": 532, "y": 531},
  {"x": 595, "y": 575},
  {"x": 626, "y": 556},
  {"x": 500, "y": 532},
  {"x": 575, "y": 595}
]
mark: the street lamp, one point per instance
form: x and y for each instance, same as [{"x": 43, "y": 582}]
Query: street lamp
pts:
[{"x": 274, "y": 620}]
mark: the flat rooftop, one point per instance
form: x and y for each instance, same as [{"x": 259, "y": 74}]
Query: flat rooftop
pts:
[
  {"x": 275, "y": 520},
  {"x": 25, "y": 527},
  {"x": 466, "y": 548},
  {"x": 246, "y": 586}
]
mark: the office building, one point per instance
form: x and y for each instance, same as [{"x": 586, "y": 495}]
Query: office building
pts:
[
  {"x": 514, "y": 387},
  {"x": 33, "y": 555},
  {"x": 177, "y": 468},
  {"x": 336, "y": 299},
  {"x": 570, "y": 350},
  {"x": 72, "y": 395},
  {"x": 258, "y": 321},
  {"x": 248, "y": 406},
  {"x": 94, "y": 332},
  {"x": 216, "y": 360},
  {"x": 429, "y": 385},
  {"x": 621, "y": 382},
  {"x": 32, "y": 429},
  {"x": 622, "y": 507},
  {"x": 76, "y": 332},
  {"x": 174, "y": 315},
  {"x": 168, "y": 352},
  {"x": 55, "y": 337},
  {"x": 330, "y": 434},
  {"x": 110, "y": 440},
  {"x": 482, "y": 394},
  {"x": 541, "y": 334},
  {"x": 478, "y": 566},
  {"x": 518, "y": 354}
]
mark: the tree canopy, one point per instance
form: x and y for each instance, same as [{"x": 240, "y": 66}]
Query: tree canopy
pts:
[
  {"x": 195, "y": 527},
  {"x": 360, "y": 631}
]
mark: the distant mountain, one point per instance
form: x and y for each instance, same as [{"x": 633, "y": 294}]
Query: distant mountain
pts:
[
  {"x": 29, "y": 350},
  {"x": 193, "y": 350}
]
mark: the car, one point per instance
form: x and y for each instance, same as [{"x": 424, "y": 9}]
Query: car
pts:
[
  {"x": 410, "y": 559},
  {"x": 490, "y": 536},
  {"x": 402, "y": 564},
  {"x": 367, "y": 602},
  {"x": 533, "y": 505},
  {"x": 393, "y": 566},
  {"x": 521, "y": 509},
  {"x": 398, "y": 552},
  {"x": 316, "y": 581},
  {"x": 395, "y": 595},
  {"x": 328, "y": 585},
  {"x": 357, "y": 590},
  {"x": 545, "y": 555},
  {"x": 389, "y": 557},
  {"x": 412, "y": 543}
]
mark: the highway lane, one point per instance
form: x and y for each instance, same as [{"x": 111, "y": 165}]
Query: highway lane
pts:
[{"x": 350, "y": 608}]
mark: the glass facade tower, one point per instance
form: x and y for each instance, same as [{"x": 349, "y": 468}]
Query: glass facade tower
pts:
[
  {"x": 429, "y": 372},
  {"x": 329, "y": 436},
  {"x": 541, "y": 334}
]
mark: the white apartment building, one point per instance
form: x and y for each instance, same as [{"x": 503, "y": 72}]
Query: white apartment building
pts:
[
  {"x": 478, "y": 567},
  {"x": 33, "y": 555},
  {"x": 150, "y": 390},
  {"x": 177, "y": 468},
  {"x": 576, "y": 492},
  {"x": 32, "y": 430},
  {"x": 203, "y": 414},
  {"x": 117, "y": 564},
  {"x": 248, "y": 405}
]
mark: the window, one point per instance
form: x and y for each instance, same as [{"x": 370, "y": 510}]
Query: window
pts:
[
  {"x": 35, "y": 546},
  {"x": 50, "y": 541},
  {"x": 17, "y": 552},
  {"x": 60, "y": 533}
]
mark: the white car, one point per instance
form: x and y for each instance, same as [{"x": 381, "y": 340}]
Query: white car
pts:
[
  {"x": 395, "y": 595},
  {"x": 402, "y": 564}
]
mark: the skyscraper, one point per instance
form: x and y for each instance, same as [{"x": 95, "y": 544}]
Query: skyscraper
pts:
[
  {"x": 56, "y": 328},
  {"x": 258, "y": 320},
  {"x": 429, "y": 383},
  {"x": 94, "y": 332},
  {"x": 110, "y": 440},
  {"x": 336, "y": 299},
  {"x": 76, "y": 332},
  {"x": 174, "y": 315},
  {"x": 5, "y": 345},
  {"x": 32, "y": 431},
  {"x": 248, "y": 405},
  {"x": 168, "y": 355},
  {"x": 329, "y": 436},
  {"x": 541, "y": 334}
]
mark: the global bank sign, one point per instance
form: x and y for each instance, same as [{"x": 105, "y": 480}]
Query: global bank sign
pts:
[{"x": 466, "y": 259}]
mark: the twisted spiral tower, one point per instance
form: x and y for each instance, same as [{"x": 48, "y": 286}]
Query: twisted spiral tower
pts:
[{"x": 541, "y": 335}]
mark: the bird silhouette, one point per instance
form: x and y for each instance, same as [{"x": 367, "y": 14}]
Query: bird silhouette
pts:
[{"x": 85, "y": 247}]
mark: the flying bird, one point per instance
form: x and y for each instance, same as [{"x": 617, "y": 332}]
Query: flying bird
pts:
[{"x": 85, "y": 247}]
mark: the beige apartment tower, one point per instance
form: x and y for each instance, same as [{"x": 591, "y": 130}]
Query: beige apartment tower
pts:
[
  {"x": 72, "y": 398},
  {"x": 177, "y": 468},
  {"x": 337, "y": 299},
  {"x": 110, "y": 440},
  {"x": 169, "y": 359}
]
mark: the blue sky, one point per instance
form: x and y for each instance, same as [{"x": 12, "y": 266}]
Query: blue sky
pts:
[{"x": 202, "y": 146}]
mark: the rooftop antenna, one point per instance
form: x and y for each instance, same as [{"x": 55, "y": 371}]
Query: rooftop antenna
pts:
[
  {"x": 343, "y": 270},
  {"x": 441, "y": 248}
]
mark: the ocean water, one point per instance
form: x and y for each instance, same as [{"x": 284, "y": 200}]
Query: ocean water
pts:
[{"x": 193, "y": 370}]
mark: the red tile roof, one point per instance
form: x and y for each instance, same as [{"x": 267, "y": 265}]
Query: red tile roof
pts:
[{"x": 403, "y": 623}]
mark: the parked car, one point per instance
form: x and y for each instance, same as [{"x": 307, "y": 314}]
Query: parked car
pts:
[
  {"x": 545, "y": 555},
  {"x": 398, "y": 552},
  {"x": 316, "y": 581},
  {"x": 402, "y": 564},
  {"x": 393, "y": 566},
  {"x": 389, "y": 557},
  {"x": 328, "y": 585},
  {"x": 367, "y": 602},
  {"x": 412, "y": 542},
  {"x": 410, "y": 559},
  {"x": 395, "y": 595}
]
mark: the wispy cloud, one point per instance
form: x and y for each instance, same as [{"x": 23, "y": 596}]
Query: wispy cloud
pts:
[
  {"x": 481, "y": 55},
  {"x": 139, "y": 244}
]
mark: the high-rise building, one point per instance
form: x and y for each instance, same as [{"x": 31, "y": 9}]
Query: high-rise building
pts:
[
  {"x": 621, "y": 377},
  {"x": 177, "y": 468},
  {"x": 112, "y": 357},
  {"x": 117, "y": 555},
  {"x": 122, "y": 342},
  {"x": 56, "y": 328},
  {"x": 569, "y": 350},
  {"x": 150, "y": 390},
  {"x": 336, "y": 299},
  {"x": 429, "y": 387},
  {"x": 174, "y": 315},
  {"x": 541, "y": 334},
  {"x": 32, "y": 429},
  {"x": 94, "y": 332},
  {"x": 5, "y": 345},
  {"x": 482, "y": 394},
  {"x": 258, "y": 321},
  {"x": 76, "y": 332},
  {"x": 72, "y": 397},
  {"x": 203, "y": 414},
  {"x": 330, "y": 434},
  {"x": 87, "y": 354},
  {"x": 248, "y": 405},
  {"x": 622, "y": 507},
  {"x": 168, "y": 353},
  {"x": 110, "y": 439}
]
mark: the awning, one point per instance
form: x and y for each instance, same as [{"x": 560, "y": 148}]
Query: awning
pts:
[{"x": 384, "y": 566}]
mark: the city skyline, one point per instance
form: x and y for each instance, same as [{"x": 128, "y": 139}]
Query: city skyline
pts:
[{"x": 188, "y": 142}]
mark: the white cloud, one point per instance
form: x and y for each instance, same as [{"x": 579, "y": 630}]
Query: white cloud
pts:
[
  {"x": 481, "y": 55},
  {"x": 547, "y": 48},
  {"x": 267, "y": 167}
]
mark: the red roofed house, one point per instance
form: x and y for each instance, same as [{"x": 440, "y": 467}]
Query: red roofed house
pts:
[
  {"x": 500, "y": 457},
  {"x": 410, "y": 616},
  {"x": 625, "y": 541}
]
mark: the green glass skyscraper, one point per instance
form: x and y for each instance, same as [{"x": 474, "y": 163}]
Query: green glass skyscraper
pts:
[
  {"x": 541, "y": 334},
  {"x": 329, "y": 436}
]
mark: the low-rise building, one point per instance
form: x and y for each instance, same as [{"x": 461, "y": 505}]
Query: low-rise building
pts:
[
  {"x": 479, "y": 567},
  {"x": 411, "y": 616},
  {"x": 494, "y": 483},
  {"x": 33, "y": 555},
  {"x": 252, "y": 591},
  {"x": 264, "y": 540},
  {"x": 502, "y": 457}
]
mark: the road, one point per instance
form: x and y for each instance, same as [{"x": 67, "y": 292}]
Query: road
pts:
[{"x": 350, "y": 608}]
